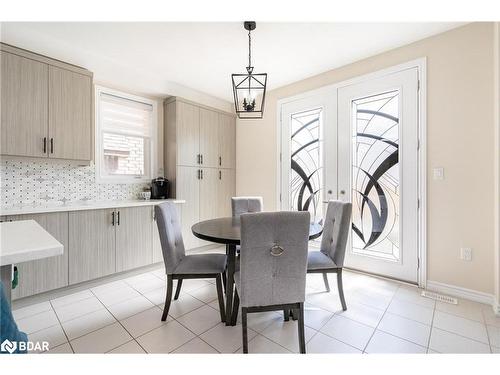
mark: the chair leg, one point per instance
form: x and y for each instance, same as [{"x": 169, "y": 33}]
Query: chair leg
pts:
[
  {"x": 244, "y": 328},
  {"x": 325, "y": 279},
  {"x": 168, "y": 298},
  {"x": 302, "y": 338},
  {"x": 341, "y": 289},
  {"x": 224, "y": 281},
  {"x": 286, "y": 315},
  {"x": 220, "y": 296},
  {"x": 236, "y": 306},
  {"x": 178, "y": 289}
]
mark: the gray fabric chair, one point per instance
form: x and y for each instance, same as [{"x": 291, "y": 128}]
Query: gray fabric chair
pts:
[
  {"x": 273, "y": 266},
  {"x": 180, "y": 266},
  {"x": 330, "y": 258},
  {"x": 243, "y": 205}
]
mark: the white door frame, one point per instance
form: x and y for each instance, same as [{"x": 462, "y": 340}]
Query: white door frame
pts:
[{"x": 331, "y": 90}]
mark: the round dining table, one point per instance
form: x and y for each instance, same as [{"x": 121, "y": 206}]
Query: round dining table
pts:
[{"x": 227, "y": 231}]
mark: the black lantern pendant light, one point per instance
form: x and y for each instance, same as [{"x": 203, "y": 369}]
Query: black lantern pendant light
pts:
[{"x": 249, "y": 89}]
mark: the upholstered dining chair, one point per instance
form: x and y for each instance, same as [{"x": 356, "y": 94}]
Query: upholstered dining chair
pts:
[
  {"x": 330, "y": 258},
  {"x": 180, "y": 266},
  {"x": 242, "y": 205},
  {"x": 273, "y": 264}
]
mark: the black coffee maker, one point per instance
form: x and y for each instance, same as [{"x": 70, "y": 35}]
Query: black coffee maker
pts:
[{"x": 159, "y": 188}]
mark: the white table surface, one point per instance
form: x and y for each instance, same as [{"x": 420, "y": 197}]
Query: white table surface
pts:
[{"x": 22, "y": 241}]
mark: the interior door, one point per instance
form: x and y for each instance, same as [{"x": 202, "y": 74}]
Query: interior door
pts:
[
  {"x": 377, "y": 171},
  {"x": 308, "y": 148}
]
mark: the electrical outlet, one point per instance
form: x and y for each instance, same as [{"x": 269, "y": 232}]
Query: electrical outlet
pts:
[
  {"x": 438, "y": 173},
  {"x": 466, "y": 254}
]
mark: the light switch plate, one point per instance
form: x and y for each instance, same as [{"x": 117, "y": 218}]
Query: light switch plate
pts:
[{"x": 438, "y": 173}]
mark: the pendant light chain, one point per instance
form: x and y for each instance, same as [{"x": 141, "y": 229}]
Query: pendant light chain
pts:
[{"x": 249, "y": 49}]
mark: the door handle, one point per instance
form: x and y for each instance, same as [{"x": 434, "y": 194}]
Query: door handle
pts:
[
  {"x": 118, "y": 218},
  {"x": 113, "y": 218},
  {"x": 44, "y": 145},
  {"x": 51, "y": 145}
]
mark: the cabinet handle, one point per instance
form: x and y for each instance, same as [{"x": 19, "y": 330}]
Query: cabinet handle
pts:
[
  {"x": 198, "y": 158},
  {"x": 118, "y": 218},
  {"x": 51, "y": 145},
  {"x": 44, "y": 145},
  {"x": 113, "y": 218},
  {"x": 220, "y": 161},
  {"x": 202, "y": 174},
  {"x": 220, "y": 175},
  {"x": 201, "y": 164},
  {"x": 199, "y": 175}
]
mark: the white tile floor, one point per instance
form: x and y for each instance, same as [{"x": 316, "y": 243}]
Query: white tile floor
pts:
[{"x": 383, "y": 317}]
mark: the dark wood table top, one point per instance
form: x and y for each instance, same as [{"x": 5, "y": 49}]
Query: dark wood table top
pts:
[{"x": 226, "y": 230}]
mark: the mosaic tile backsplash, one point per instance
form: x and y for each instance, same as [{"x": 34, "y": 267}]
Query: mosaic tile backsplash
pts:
[{"x": 44, "y": 182}]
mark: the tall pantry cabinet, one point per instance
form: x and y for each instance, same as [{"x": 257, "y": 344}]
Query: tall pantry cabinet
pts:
[{"x": 200, "y": 152}]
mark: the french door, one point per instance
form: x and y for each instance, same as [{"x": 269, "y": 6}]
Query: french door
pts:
[
  {"x": 358, "y": 143},
  {"x": 378, "y": 170}
]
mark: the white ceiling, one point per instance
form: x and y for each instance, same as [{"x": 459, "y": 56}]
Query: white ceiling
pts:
[{"x": 191, "y": 59}]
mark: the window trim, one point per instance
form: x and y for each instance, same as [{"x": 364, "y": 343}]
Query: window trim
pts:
[{"x": 153, "y": 144}]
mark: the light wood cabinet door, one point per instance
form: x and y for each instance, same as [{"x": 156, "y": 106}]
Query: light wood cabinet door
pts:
[
  {"x": 70, "y": 125},
  {"x": 92, "y": 245},
  {"x": 24, "y": 93},
  {"x": 134, "y": 246},
  {"x": 209, "y": 138},
  {"x": 209, "y": 185},
  {"x": 227, "y": 141},
  {"x": 188, "y": 134},
  {"x": 226, "y": 189},
  {"x": 188, "y": 188},
  {"x": 46, "y": 274}
]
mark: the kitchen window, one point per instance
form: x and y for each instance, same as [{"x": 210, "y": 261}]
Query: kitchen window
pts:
[{"x": 125, "y": 130}]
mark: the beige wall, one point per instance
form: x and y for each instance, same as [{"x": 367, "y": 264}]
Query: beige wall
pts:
[{"x": 459, "y": 139}]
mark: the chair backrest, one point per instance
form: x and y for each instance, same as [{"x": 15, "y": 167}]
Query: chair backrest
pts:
[
  {"x": 336, "y": 230},
  {"x": 273, "y": 258},
  {"x": 243, "y": 205},
  {"x": 169, "y": 228}
]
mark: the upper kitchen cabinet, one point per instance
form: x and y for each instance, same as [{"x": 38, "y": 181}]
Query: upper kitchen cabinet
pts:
[
  {"x": 227, "y": 141},
  {"x": 46, "y": 107},
  {"x": 209, "y": 138},
  {"x": 70, "y": 101},
  {"x": 24, "y": 90}
]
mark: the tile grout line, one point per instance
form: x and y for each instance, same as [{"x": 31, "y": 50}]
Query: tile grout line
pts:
[
  {"x": 64, "y": 331},
  {"x": 382, "y": 317},
  {"x": 487, "y": 332},
  {"x": 432, "y": 327}
]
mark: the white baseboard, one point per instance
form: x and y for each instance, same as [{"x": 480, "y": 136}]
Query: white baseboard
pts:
[{"x": 457, "y": 291}]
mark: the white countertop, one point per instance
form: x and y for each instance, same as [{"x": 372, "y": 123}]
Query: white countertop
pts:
[
  {"x": 25, "y": 240},
  {"x": 81, "y": 205}
]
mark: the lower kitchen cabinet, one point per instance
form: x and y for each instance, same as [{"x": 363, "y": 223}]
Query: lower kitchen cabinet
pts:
[
  {"x": 134, "y": 246},
  {"x": 91, "y": 244},
  {"x": 41, "y": 275}
]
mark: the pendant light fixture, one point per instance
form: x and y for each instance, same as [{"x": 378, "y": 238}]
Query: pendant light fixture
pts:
[{"x": 249, "y": 88}]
